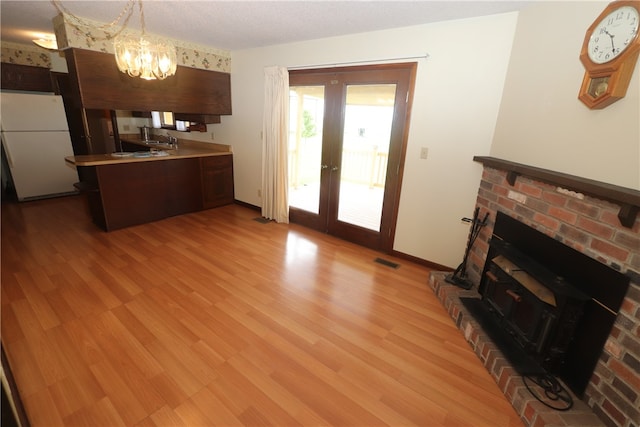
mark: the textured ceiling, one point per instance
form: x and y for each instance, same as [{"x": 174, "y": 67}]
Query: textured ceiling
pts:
[{"x": 235, "y": 25}]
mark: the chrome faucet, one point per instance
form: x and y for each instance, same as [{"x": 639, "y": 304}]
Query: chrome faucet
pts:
[{"x": 173, "y": 141}]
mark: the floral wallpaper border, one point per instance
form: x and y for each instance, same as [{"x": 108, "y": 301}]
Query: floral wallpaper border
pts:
[
  {"x": 69, "y": 33},
  {"x": 22, "y": 54}
]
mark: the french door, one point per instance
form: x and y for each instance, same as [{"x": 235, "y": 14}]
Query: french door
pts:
[{"x": 347, "y": 141}]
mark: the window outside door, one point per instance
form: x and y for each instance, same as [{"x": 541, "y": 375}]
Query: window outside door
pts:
[{"x": 346, "y": 146}]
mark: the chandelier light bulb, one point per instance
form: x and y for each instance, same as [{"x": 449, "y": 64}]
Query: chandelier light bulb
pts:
[{"x": 145, "y": 57}]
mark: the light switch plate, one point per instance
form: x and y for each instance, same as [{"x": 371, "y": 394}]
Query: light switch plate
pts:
[{"x": 424, "y": 152}]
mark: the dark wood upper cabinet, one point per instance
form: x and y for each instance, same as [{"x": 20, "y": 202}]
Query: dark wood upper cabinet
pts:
[
  {"x": 187, "y": 117},
  {"x": 198, "y": 118},
  {"x": 98, "y": 84},
  {"x": 25, "y": 77}
]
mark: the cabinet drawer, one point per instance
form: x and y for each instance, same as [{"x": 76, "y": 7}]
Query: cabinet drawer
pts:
[{"x": 217, "y": 162}]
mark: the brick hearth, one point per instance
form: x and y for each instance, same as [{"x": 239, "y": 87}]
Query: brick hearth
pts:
[{"x": 531, "y": 411}]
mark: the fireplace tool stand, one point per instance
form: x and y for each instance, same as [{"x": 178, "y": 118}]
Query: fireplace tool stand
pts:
[{"x": 459, "y": 276}]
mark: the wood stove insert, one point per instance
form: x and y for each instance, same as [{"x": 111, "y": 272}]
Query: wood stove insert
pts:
[
  {"x": 557, "y": 304},
  {"x": 538, "y": 309}
]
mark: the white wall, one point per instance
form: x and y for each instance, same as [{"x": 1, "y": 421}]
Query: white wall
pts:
[
  {"x": 58, "y": 62},
  {"x": 127, "y": 124},
  {"x": 542, "y": 122},
  {"x": 457, "y": 96},
  {"x": 455, "y": 108}
]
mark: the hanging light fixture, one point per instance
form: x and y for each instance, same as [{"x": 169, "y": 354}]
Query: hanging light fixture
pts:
[
  {"x": 143, "y": 56},
  {"x": 46, "y": 41}
]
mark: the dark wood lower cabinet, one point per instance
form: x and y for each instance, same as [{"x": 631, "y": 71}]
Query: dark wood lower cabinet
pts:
[
  {"x": 126, "y": 194},
  {"x": 217, "y": 181},
  {"x": 183, "y": 187}
]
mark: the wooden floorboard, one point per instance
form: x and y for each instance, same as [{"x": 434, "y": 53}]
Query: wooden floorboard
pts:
[{"x": 213, "y": 318}]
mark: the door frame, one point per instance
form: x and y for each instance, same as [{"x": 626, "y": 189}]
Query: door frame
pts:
[{"x": 396, "y": 161}]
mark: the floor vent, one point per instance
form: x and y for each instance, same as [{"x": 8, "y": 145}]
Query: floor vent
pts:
[
  {"x": 262, "y": 220},
  {"x": 387, "y": 263}
]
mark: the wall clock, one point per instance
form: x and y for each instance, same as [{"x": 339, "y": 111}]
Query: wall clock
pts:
[{"x": 609, "y": 54}]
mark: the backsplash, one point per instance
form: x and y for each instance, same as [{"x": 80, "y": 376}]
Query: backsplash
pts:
[{"x": 129, "y": 124}]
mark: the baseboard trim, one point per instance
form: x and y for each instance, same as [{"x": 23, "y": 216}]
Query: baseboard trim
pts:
[
  {"x": 415, "y": 260},
  {"x": 247, "y": 205},
  {"x": 420, "y": 261}
]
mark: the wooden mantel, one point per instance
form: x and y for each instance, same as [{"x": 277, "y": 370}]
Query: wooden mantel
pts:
[{"x": 627, "y": 198}]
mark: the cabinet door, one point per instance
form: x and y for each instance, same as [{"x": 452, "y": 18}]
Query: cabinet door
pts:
[
  {"x": 183, "y": 186},
  {"x": 217, "y": 181},
  {"x": 25, "y": 77},
  {"x": 99, "y": 85},
  {"x": 140, "y": 192},
  {"x": 99, "y": 131},
  {"x": 132, "y": 193}
]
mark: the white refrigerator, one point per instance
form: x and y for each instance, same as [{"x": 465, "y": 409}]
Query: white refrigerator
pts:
[{"x": 35, "y": 137}]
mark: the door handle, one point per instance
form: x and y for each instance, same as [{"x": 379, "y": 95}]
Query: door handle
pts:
[
  {"x": 516, "y": 297},
  {"x": 334, "y": 168},
  {"x": 324, "y": 166}
]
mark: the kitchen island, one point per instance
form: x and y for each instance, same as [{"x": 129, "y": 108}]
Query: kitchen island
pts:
[{"x": 126, "y": 189}]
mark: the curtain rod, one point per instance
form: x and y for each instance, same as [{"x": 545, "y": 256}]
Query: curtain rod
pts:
[{"x": 337, "y": 64}]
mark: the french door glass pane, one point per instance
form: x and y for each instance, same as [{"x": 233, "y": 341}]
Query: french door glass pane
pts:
[
  {"x": 365, "y": 151},
  {"x": 306, "y": 115}
]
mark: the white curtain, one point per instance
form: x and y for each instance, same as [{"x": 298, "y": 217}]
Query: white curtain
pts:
[{"x": 275, "y": 172}]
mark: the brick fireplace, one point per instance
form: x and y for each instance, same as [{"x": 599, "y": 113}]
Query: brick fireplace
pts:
[{"x": 598, "y": 220}]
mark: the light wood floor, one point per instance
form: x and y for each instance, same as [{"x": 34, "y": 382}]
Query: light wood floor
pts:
[{"x": 215, "y": 319}]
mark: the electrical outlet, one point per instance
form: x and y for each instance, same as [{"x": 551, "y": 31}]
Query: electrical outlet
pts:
[
  {"x": 424, "y": 152},
  {"x": 212, "y": 136},
  {"x": 125, "y": 127},
  {"x": 259, "y": 193}
]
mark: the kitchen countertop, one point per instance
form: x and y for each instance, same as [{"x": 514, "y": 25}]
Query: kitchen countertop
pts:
[{"x": 186, "y": 149}]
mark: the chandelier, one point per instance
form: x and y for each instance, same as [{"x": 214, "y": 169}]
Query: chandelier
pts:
[
  {"x": 141, "y": 55},
  {"x": 145, "y": 57}
]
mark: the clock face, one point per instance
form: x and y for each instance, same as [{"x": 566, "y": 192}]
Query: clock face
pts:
[{"x": 613, "y": 35}]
